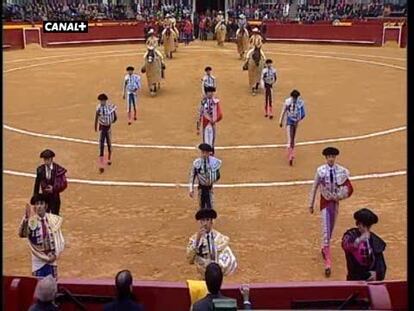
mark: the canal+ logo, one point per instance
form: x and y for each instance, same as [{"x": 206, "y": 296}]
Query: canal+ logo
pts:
[{"x": 65, "y": 26}]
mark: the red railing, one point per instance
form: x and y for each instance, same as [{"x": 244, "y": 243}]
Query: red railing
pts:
[{"x": 174, "y": 296}]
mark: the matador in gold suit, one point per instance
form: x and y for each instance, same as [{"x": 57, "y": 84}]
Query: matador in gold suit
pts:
[{"x": 209, "y": 245}]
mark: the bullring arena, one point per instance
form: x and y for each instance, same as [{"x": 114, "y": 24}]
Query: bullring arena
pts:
[{"x": 138, "y": 216}]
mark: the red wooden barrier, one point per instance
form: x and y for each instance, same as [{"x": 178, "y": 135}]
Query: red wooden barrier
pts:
[
  {"x": 174, "y": 296},
  {"x": 360, "y": 32},
  {"x": 368, "y": 33}
]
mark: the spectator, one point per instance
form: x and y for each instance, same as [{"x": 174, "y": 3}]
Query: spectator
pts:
[
  {"x": 188, "y": 32},
  {"x": 51, "y": 179},
  {"x": 364, "y": 249},
  {"x": 45, "y": 294},
  {"x": 125, "y": 298},
  {"x": 43, "y": 231},
  {"x": 214, "y": 278}
]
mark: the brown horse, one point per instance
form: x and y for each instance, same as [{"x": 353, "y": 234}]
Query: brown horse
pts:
[
  {"x": 152, "y": 68},
  {"x": 255, "y": 65},
  {"x": 168, "y": 41},
  {"x": 242, "y": 41}
]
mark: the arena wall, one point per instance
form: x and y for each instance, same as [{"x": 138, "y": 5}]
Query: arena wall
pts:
[
  {"x": 174, "y": 296},
  {"x": 356, "y": 32},
  {"x": 350, "y": 32}
]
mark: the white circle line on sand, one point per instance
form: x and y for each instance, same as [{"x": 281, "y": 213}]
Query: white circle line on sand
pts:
[
  {"x": 198, "y": 48},
  {"x": 182, "y": 185},
  {"x": 213, "y": 50},
  {"x": 266, "y": 146},
  {"x": 223, "y": 148}
]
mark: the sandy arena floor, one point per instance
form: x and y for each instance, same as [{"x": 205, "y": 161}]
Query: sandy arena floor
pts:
[{"x": 349, "y": 91}]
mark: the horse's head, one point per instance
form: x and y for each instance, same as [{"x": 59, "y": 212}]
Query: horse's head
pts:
[
  {"x": 168, "y": 32},
  {"x": 150, "y": 55},
  {"x": 256, "y": 55}
]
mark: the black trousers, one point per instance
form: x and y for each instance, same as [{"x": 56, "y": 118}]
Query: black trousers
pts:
[
  {"x": 105, "y": 135},
  {"x": 205, "y": 194},
  {"x": 53, "y": 204},
  {"x": 268, "y": 95}
]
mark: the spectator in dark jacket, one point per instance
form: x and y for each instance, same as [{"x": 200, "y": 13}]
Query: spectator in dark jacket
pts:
[
  {"x": 45, "y": 294},
  {"x": 214, "y": 279},
  {"x": 364, "y": 249},
  {"x": 125, "y": 298}
]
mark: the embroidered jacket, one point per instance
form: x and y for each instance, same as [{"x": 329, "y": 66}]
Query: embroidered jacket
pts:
[{"x": 212, "y": 247}]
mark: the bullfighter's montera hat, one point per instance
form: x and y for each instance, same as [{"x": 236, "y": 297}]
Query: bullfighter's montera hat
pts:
[
  {"x": 295, "y": 93},
  {"x": 366, "y": 217},
  {"x": 102, "y": 97},
  {"x": 205, "y": 147},
  {"x": 47, "y": 154},
  {"x": 39, "y": 197},
  {"x": 205, "y": 213},
  {"x": 330, "y": 151}
]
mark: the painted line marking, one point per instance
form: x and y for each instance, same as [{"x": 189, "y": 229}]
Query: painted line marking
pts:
[
  {"x": 266, "y": 146},
  {"x": 193, "y": 48},
  {"x": 185, "y": 185},
  {"x": 347, "y": 54},
  {"x": 215, "y": 50},
  {"x": 222, "y": 148}
]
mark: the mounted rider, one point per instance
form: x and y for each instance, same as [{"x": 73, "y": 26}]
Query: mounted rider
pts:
[
  {"x": 153, "y": 43},
  {"x": 242, "y": 23},
  {"x": 219, "y": 20},
  {"x": 256, "y": 41}
]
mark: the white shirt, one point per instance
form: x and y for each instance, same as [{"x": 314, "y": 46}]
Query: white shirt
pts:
[
  {"x": 49, "y": 169},
  {"x": 106, "y": 114},
  {"x": 208, "y": 80},
  {"x": 132, "y": 83},
  {"x": 269, "y": 75}
]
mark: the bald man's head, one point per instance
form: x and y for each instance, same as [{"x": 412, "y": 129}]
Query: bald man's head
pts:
[{"x": 123, "y": 281}]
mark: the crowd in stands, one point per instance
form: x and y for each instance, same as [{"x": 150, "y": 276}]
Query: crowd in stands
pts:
[
  {"x": 340, "y": 11},
  {"x": 77, "y": 10}
]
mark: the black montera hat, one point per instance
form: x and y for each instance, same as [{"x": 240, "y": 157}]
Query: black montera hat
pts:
[
  {"x": 295, "y": 94},
  {"x": 269, "y": 61},
  {"x": 205, "y": 147},
  {"x": 330, "y": 151},
  {"x": 366, "y": 217},
  {"x": 47, "y": 154},
  {"x": 40, "y": 197},
  {"x": 102, "y": 97},
  {"x": 130, "y": 68},
  {"x": 205, "y": 213},
  {"x": 207, "y": 68}
]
